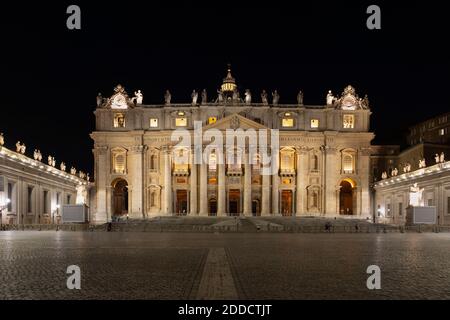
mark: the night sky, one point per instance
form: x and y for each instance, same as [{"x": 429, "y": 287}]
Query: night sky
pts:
[{"x": 51, "y": 75}]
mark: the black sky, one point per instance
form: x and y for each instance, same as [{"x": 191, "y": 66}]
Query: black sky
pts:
[{"x": 51, "y": 75}]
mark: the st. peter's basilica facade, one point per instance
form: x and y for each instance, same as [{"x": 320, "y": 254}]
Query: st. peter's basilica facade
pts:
[{"x": 322, "y": 165}]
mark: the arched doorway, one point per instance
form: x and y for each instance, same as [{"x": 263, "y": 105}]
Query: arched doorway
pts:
[
  {"x": 120, "y": 197},
  {"x": 256, "y": 208},
  {"x": 234, "y": 202},
  {"x": 212, "y": 208},
  {"x": 347, "y": 199}
]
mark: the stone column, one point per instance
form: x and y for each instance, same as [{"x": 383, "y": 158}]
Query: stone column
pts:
[
  {"x": 247, "y": 186},
  {"x": 275, "y": 183},
  {"x": 203, "y": 189},
  {"x": 167, "y": 184},
  {"x": 331, "y": 169},
  {"x": 193, "y": 193},
  {"x": 302, "y": 180},
  {"x": 363, "y": 169},
  {"x": 265, "y": 195},
  {"x": 221, "y": 208},
  {"x": 103, "y": 198},
  {"x": 136, "y": 173}
]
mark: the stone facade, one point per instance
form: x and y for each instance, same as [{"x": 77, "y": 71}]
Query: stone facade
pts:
[
  {"x": 321, "y": 168},
  {"x": 392, "y": 194},
  {"x": 32, "y": 192}
]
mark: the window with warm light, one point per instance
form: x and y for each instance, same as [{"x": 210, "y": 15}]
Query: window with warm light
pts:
[
  {"x": 181, "y": 122},
  {"x": 287, "y": 122},
  {"x": 314, "y": 123},
  {"x": 119, "y": 120},
  {"x": 348, "y": 121},
  {"x": 153, "y": 123},
  {"x": 212, "y": 120},
  {"x": 347, "y": 163}
]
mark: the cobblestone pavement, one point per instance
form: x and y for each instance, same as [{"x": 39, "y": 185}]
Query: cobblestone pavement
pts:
[{"x": 262, "y": 266}]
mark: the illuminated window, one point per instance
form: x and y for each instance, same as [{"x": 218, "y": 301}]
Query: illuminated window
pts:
[
  {"x": 181, "y": 122},
  {"x": 153, "y": 123},
  {"x": 119, "y": 120},
  {"x": 119, "y": 160},
  {"x": 347, "y": 163},
  {"x": 287, "y": 161},
  {"x": 212, "y": 165},
  {"x": 441, "y": 132},
  {"x": 287, "y": 123},
  {"x": 314, "y": 123},
  {"x": 348, "y": 121},
  {"x": 212, "y": 120}
]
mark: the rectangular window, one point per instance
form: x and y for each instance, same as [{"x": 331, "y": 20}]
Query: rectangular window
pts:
[
  {"x": 430, "y": 202},
  {"x": 441, "y": 132},
  {"x": 388, "y": 210},
  {"x": 314, "y": 123},
  {"x": 181, "y": 122},
  {"x": 287, "y": 123},
  {"x": 212, "y": 120},
  {"x": 348, "y": 121},
  {"x": 153, "y": 123},
  {"x": 68, "y": 198},
  {"x": 30, "y": 199},
  {"x": 119, "y": 120},
  {"x": 400, "y": 209}
]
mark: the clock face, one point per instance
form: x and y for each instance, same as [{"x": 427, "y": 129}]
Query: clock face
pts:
[{"x": 119, "y": 102}]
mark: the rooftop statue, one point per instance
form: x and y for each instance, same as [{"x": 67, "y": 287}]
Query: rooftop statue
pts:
[
  {"x": 63, "y": 166},
  {"x": 442, "y": 157},
  {"x": 219, "y": 96},
  {"x": 264, "y": 97},
  {"x": 422, "y": 163},
  {"x": 384, "y": 175},
  {"x": 330, "y": 98},
  {"x": 73, "y": 171},
  {"x": 204, "y": 97},
  {"x": 275, "y": 97},
  {"x": 236, "y": 95},
  {"x": 194, "y": 97},
  {"x": 99, "y": 100},
  {"x": 437, "y": 158},
  {"x": 20, "y": 147},
  {"x": 138, "y": 97},
  {"x": 300, "y": 98},
  {"x": 2, "y": 139},
  {"x": 167, "y": 97},
  {"x": 35, "y": 154},
  {"x": 248, "y": 96}
]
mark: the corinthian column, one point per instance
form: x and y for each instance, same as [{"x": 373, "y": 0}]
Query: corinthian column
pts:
[
  {"x": 193, "y": 193},
  {"x": 265, "y": 195},
  {"x": 203, "y": 189},
  {"x": 302, "y": 175},
  {"x": 247, "y": 186},
  {"x": 221, "y": 188},
  {"x": 275, "y": 183},
  {"x": 167, "y": 183}
]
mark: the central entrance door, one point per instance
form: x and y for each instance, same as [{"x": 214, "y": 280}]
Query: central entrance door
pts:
[
  {"x": 182, "y": 202},
  {"x": 234, "y": 202},
  {"x": 286, "y": 203},
  {"x": 346, "y": 198}
]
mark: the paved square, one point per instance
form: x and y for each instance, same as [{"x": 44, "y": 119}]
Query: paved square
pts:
[{"x": 248, "y": 266}]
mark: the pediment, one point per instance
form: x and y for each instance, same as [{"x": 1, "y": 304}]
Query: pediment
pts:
[{"x": 235, "y": 121}]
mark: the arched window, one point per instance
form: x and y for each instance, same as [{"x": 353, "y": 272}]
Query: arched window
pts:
[
  {"x": 153, "y": 199},
  {"x": 348, "y": 162},
  {"x": 119, "y": 160},
  {"x": 315, "y": 162}
]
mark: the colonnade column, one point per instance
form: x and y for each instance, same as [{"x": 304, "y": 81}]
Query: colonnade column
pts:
[
  {"x": 247, "y": 186},
  {"x": 275, "y": 182},
  {"x": 221, "y": 189},
  {"x": 203, "y": 189},
  {"x": 302, "y": 175},
  {"x": 193, "y": 192},
  {"x": 167, "y": 183},
  {"x": 265, "y": 192}
]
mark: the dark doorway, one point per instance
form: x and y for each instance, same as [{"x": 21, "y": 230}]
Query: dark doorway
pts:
[
  {"x": 256, "y": 210},
  {"x": 286, "y": 203},
  {"x": 120, "y": 197},
  {"x": 182, "y": 202},
  {"x": 346, "y": 198},
  {"x": 212, "y": 207},
  {"x": 234, "y": 201}
]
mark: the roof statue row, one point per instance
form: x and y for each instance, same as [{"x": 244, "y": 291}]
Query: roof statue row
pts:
[
  {"x": 228, "y": 93},
  {"x": 37, "y": 155}
]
